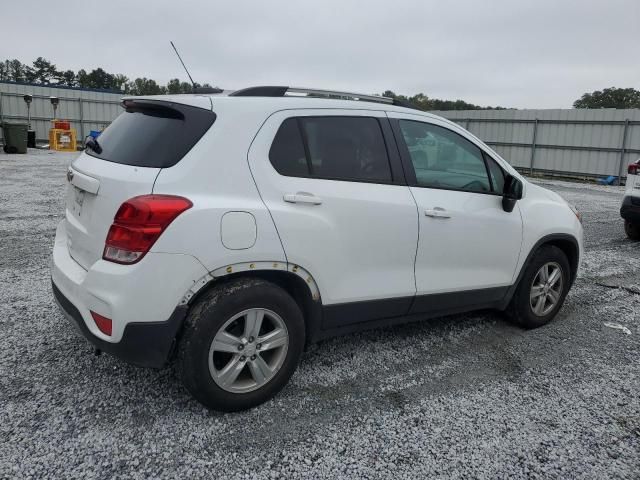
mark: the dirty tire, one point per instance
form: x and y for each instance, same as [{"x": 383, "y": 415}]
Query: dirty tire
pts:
[
  {"x": 520, "y": 310},
  {"x": 205, "y": 319},
  {"x": 632, "y": 230}
]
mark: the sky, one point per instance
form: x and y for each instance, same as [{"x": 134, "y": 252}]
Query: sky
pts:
[{"x": 512, "y": 53}]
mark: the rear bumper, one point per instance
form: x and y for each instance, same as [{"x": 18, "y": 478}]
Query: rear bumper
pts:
[
  {"x": 142, "y": 300},
  {"x": 630, "y": 209},
  {"x": 143, "y": 344}
]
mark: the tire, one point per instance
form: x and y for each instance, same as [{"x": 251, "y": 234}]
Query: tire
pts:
[
  {"x": 533, "y": 312},
  {"x": 223, "y": 313},
  {"x": 5, "y": 148},
  {"x": 632, "y": 230}
]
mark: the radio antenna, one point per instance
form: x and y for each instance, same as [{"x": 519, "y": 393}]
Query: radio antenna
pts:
[
  {"x": 200, "y": 90},
  {"x": 183, "y": 65}
]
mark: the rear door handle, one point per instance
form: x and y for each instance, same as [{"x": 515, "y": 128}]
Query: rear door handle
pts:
[
  {"x": 437, "y": 212},
  {"x": 302, "y": 197}
]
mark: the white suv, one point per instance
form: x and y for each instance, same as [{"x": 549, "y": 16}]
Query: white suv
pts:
[
  {"x": 630, "y": 209},
  {"x": 230, "y": 231}
]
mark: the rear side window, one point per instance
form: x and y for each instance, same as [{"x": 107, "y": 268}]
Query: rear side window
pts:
[
  {"x": 153, "y": 133},
  {"x": 335, "y": 148},
  {"x": 287, "y": 151}
]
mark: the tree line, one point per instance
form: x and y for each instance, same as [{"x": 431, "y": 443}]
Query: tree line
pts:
[
  {"x": 423, "y": 102},
  {"x": 43, "y": 72}
]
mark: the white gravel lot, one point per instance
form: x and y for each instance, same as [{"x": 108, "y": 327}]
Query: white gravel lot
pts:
[{"x": 467, "y": 396}]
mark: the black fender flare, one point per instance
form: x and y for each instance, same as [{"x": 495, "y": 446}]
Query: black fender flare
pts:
[{"x": 556, "y": 239}]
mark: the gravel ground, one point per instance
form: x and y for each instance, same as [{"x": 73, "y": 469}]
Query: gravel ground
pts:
[{"x": 459, "y": 397}]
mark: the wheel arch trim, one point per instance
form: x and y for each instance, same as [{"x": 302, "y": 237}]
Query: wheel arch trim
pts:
[
  {"x": 552, "y": 239},
  {"x": 261, "y": 266},
  {"x": 309, "y": 301}
]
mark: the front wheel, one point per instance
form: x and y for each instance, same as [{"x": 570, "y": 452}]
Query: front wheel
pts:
[
  {"x": 542, "y": 288},
  {"x": 243, "y": 341},
  {"x": 632, "y": 230}
]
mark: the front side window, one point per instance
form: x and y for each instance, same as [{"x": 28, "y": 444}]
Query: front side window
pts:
[
  {"x": 443, "y": 159},
  {"x": 335, "y": 148}
]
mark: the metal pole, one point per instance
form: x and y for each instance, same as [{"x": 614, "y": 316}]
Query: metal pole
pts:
[
  {"x": 81, "y": 122},
  {"x": 622, "y": 151},
  {"x": 466, "y": 125},
  {"x": 1, "y": 116},
  {"x": 533, "y": 146}
]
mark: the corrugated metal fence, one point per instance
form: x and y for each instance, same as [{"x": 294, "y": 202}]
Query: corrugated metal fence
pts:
[
  {"x": 567, "y": 142},
  {"x": 86, "y": 109},
  {"x": 588, "y": 143}
]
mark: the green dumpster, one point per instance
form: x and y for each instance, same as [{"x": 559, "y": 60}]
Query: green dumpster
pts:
[{"x": 15, "y": 137}]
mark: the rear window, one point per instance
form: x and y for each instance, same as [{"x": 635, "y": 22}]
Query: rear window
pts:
[{"x": 153, "y": 133}]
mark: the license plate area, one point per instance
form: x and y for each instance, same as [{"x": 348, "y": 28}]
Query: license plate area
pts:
[{"x": 77, "y": 201}]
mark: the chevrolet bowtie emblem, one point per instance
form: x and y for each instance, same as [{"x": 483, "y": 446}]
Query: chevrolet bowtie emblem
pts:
[{"x": 69, "y": 176}]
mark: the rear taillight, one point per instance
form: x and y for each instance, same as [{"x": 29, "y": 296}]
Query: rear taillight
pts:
[
  {"x": 634, "y": 168},
  {"x": 104, "y": 324},
  {"x": 138, "y": 223}
]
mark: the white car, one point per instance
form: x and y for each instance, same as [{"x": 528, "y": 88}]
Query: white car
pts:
[
  {"x": 228, "y": 232},
  {"x": 630, "y": 209}
]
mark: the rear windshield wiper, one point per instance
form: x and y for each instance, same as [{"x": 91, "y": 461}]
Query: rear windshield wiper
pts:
[{"x": 93, "y": 144}]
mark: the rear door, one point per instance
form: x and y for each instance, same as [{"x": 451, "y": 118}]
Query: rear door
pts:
[
  {"x": 148, "y": 136},
  {"x": 341, "y": 207},
  {"x": 468, "y": 244}
]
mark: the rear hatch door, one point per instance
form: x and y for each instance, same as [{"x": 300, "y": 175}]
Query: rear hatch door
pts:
[{"x": 148, "y": 136}]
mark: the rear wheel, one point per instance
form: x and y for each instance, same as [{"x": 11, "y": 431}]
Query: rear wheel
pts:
[
  {"x": 542, "y": 288},
  {"x": 632, "y": 230},
  {"x": 243, "y": 341}
]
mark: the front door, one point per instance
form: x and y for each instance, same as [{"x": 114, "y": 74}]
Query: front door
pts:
[{"x": 468, "y": 244}]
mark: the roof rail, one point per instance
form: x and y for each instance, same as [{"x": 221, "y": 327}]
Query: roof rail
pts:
[{"x": 281, "y": 91}]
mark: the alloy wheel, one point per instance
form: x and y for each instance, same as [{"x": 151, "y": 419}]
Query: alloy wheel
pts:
[
  {"x": 546, "y": 289},
  {"x": 248, "y": 350}
]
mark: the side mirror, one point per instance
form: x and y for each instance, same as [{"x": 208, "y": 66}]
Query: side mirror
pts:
[
  {"x": 92, "y": 143},
  {"x": 512, "y": 193}
]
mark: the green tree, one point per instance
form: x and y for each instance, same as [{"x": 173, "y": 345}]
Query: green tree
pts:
[
  {"x": 119, "y": 81},
  {"x": 16, "y": 70},
  {"x": 42, "y": 72},
  {"x": 82, "y": 79},
  {"x": 97, "y": 78},
  {"x": 173, "y": 86},
  {"x": 610, "y": 98},
  {"x": 4, "y": 71},
  {"x": 67, "y": 78},
  {"x": 145, "y": 86},
  {"x": 421, "y": 101}
]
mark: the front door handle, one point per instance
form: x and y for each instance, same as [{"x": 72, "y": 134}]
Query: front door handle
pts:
[
  {"x": 437, "y": 212},
  {"x": 302, "y": 197}
]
